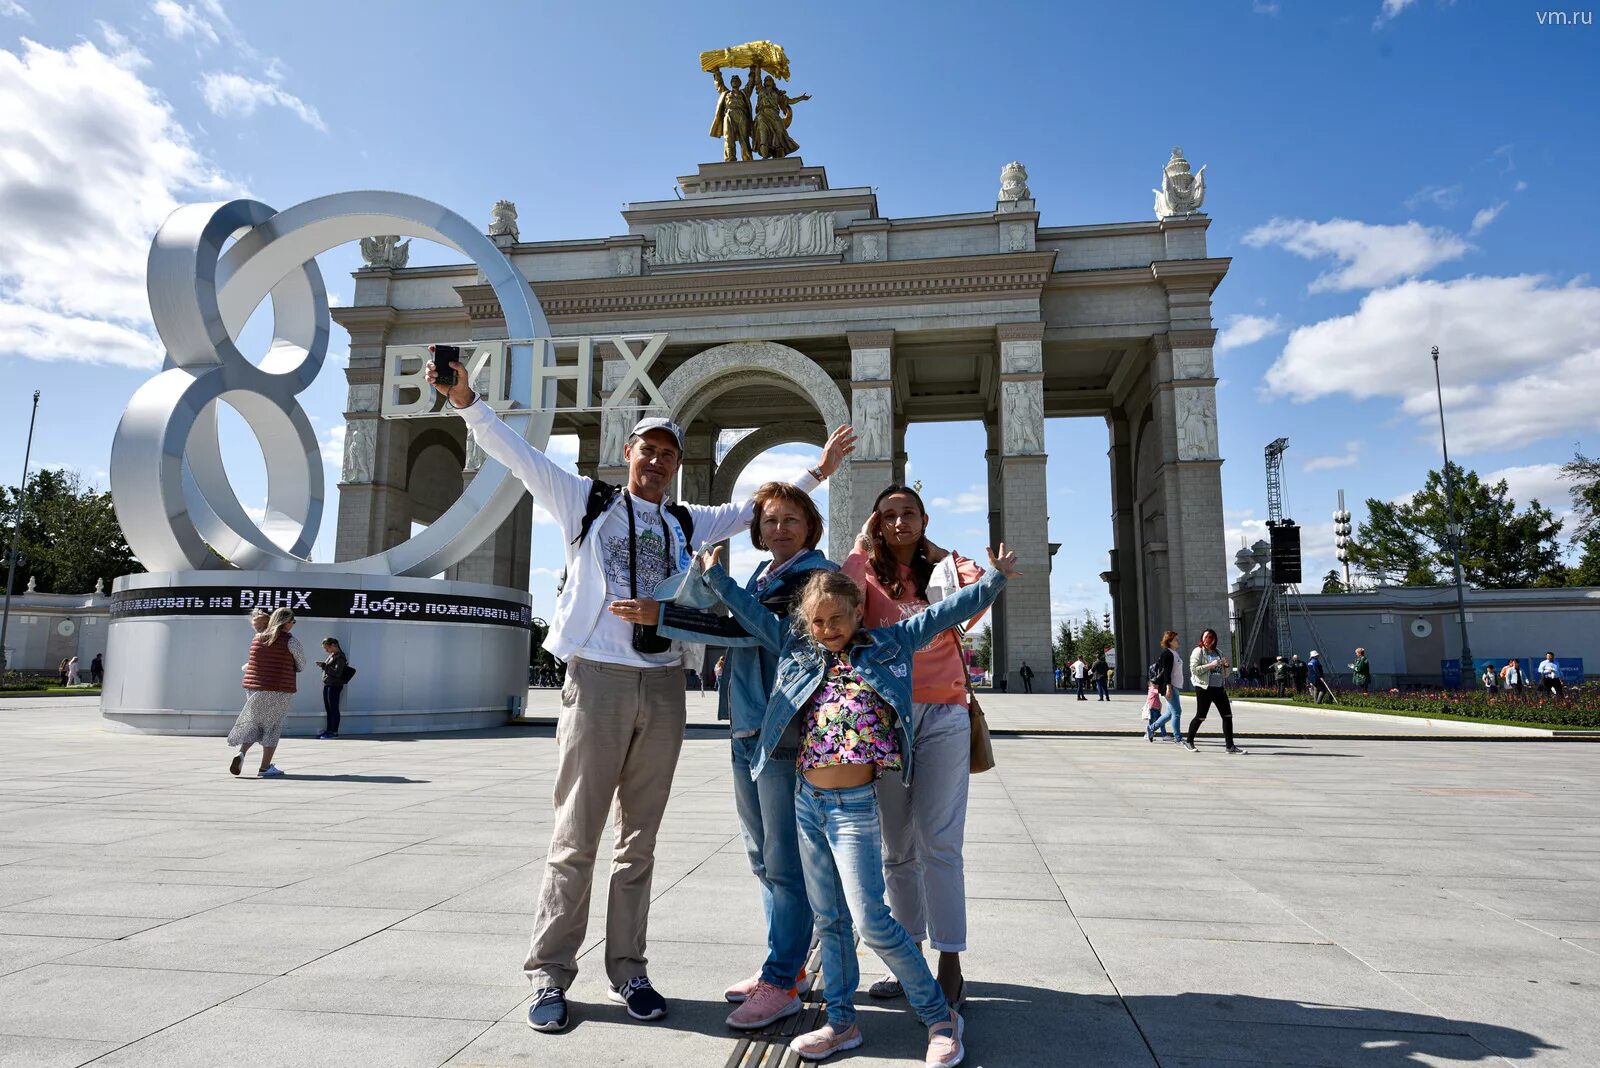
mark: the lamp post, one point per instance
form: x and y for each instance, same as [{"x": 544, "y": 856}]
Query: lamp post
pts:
[
  {"x": 1454, "y": 529},
  {"x": 16, "y": 531}
]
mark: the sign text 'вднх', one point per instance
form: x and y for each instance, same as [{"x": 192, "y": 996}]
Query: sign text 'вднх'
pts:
[{"x": 501, "y": 371}]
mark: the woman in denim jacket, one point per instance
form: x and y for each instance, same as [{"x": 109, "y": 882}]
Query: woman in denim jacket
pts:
[
  {"x": 849, "y": 690},
  {"x": 786, "y": 524}
]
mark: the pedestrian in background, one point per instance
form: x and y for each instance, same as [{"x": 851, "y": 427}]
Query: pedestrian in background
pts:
[
  {"x": 1209, "y": 668},
  {"x": 1491, "y": 680},
  {"x": 1026, "y": 674},
  {"x": 1298, "y": 671},
  {"x": 1100, "y": 669},
  {"x": 97, "y": 669},
  {"x": 1080, "y": 675},
  {"x": 333, "y": 680},
  {"x": 1167, "y": 680},
  {"x": 269, "y": 681},
  {"x": 1280, "y": 676},
  {"x": 1550, "y": 676},
  {"x": 1513, "y": 677},
  {"x": 72, "y": 671},
  {"x": 1361, "y": 671},
  {"x": 61, "y": 672},
  {"x": 1317, "y": 679}
]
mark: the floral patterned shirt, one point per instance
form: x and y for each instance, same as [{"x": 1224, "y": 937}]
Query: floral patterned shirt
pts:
[{"x": 847, "y": 722}]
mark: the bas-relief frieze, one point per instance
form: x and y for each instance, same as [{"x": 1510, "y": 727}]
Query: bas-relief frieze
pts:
[
  {"x": 807, "y": 233},
  {"x": 869, "y": 365},
  {"x": 360, "y": 450},
  {"x": 1195, "y": 411},
  {"x": 364, "y": 397},
  {"x": 872, "y": 420},
  {"x": 1022, "y": 418},
  {"x": 1192, "y": 363},
  {"x": 1021, "y": 357}
]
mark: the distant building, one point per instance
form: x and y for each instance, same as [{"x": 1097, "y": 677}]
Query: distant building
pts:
[
  {"x": 1410, "y": 632},
  {"x": 46, "y": 627}
]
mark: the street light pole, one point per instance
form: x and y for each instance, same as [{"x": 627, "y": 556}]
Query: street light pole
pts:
[
  {"x": 1467, "y": 671},
  {"x": 16, "y": 531}
]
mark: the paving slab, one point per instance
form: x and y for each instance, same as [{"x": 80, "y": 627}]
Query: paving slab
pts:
[{"x": 1324, "y": 900}]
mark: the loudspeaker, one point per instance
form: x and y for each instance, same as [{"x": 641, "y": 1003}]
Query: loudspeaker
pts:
[{"x": 1285, "y": 553}]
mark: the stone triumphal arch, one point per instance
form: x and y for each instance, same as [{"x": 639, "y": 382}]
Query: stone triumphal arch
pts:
[{"x": 789, "y": 307}]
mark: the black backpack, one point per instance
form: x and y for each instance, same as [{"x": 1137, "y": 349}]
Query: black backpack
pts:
[{"x": 1158, "y": 673}]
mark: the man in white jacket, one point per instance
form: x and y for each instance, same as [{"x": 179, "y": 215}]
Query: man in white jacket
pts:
[{"x": 623, "y": 703}]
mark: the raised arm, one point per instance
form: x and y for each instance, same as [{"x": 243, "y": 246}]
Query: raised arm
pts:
[
  {"x": 922, "y": 628},
  {"x": 714, "y": 524},
  {"x": 748, "y": 612},
  {"x": 558, "y": 491}
]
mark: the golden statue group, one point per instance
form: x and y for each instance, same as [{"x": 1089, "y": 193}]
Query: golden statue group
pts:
[{"x": 764, "y": 131}]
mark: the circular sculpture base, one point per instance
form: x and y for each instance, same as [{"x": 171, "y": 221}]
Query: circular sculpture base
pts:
[{"x": 429, "y": 655}]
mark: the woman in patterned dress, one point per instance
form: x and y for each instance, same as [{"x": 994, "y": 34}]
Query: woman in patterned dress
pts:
[{"x": 269, "y": 681}]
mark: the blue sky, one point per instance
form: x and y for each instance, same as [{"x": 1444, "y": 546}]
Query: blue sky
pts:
[{"x": 1385, "y": 174}]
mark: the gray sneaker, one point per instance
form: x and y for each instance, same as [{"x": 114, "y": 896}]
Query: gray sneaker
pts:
[
  {"x": 548, "y": 1012},
  {"x": 1190, "y": 746},
  {"x": 271, "y": 771},
  {"x": 1236, "y": 751}
]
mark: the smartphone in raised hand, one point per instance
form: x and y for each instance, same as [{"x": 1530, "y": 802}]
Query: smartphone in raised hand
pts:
[{"x": 443, "y": 357}]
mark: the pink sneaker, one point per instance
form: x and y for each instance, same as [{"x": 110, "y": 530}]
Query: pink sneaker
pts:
[
  {"x": 944, "y": 1042},
  {"x": 824, "y": 1042},
  {"x": 766, "y": 1004},
  {"x": 739, "y": 991}
]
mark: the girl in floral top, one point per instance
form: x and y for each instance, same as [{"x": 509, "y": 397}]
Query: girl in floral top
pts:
[{"x": 847, "y": 690}]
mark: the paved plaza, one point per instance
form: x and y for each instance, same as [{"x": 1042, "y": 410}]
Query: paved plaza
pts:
[{"x": 1321, "y": 901}]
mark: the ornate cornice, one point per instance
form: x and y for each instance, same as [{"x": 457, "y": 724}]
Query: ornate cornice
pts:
[
  {"x": 1191, "y": 274},
  {"x": 1000, "y": 277}
]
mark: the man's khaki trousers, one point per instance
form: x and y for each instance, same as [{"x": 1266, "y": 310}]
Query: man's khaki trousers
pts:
[{"x": 620, "y": 733}]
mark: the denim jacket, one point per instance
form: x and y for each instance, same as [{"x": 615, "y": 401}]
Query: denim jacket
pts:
[
  {"x": 882, "y": 656},
  {"x": 751, "y": 670}
]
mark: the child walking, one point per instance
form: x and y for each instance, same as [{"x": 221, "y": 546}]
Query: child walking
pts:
[{"x": 843, "y": 697}]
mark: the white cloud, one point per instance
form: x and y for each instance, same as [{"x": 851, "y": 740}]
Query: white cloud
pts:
[
  {"x": 778, "y": 466},
  {"x": 181, "y": 22},
  {"x": 1440, "y": 196},
  {"x": 1541, "y": 482},
  {"x": 562, "y": 447},
  {"x": 1519, "y": 357},
  {"x": 1520, "y": 187},
  {"x": 333, "y": 446},
  {"x": 1485, "y": 216},
  {"x": 234, "y": 95},
  {"x": 1350, "y": 457},
  {"x": 974, "y": 499},
  {"x": 1242, "y": 330},
  {"x": 1369, "y": 254},
  {"x": 1264, "y": 7},
  {"x": 1390, "y": 9},
  {"x": 12, "y": 10},
  {"x": 94, "y": 161}
]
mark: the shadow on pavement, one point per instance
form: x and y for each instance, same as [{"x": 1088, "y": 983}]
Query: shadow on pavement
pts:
[
  {"x": 350, "y": 778},
  {"x": 1010, "y": 1024}
]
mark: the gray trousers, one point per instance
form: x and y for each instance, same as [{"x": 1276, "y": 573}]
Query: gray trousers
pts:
[
  {"x": 620, "y": 733},
  {"x": 925, "y": 827}
]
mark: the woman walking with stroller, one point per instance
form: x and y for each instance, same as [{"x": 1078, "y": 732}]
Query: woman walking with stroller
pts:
[{"x": 848, "y": 689}]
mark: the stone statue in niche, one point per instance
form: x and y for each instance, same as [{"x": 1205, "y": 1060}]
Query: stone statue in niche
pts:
[
  {"x": 1022, "y": 426},
  {"x": 360, "y": 450},
  {"x": 1014, "y": 182},
  {"x": 1181, "y": 192},
  {"x": 1196, "y": 414},
  {"x": 871, "y": 421}
]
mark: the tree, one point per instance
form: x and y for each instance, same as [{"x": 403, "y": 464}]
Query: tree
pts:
[
  {"x": 1091, "y": 640},
  {"x": 70, "y": 534},
  {"x": 1063, "y": 645},
  {"x": 1332, "y": 583},
  {"x": 1584, "y": 474},
  {"x": 983, "y": 653},
  {"x": 1501, "y": 548}
]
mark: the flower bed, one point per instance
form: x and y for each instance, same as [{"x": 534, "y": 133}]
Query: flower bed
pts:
[{"x": 1580, "y": 708}]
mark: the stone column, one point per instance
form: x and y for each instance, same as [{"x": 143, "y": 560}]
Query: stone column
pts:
[
  {"x": 1122, "y": 577},
  {"x": 699, "y": 463},
  {"x": 1025, "y": 507},
  {"x": 503, "y": 560},
  {"x": 588, "y": 451},
  {"x": 872, "y": 415},
  {"x": 615, "y": 423},
  {"x": 1192, "y": 477},
  {"x": 899, "y": 466},
  {"x": 374, "y": 508},
  {"x": 997, "y": 528}
]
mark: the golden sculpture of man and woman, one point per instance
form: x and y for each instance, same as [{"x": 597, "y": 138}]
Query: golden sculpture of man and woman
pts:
[{"x": 763, "y": 131}]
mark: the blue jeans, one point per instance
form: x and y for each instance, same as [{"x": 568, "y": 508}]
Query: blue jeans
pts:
[
  {"x": 1100, "y": 688},
  {"x": 1174, "y": 714},
  {"x": 766, "y": 816},
  {"x": 841, "y": 849}
]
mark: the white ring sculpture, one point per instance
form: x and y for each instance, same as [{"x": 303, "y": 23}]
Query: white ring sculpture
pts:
[{"x": 171, "y": 493}]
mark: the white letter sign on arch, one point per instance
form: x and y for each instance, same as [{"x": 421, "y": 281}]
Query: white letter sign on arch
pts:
[
  {"x": 171, "y": 493},
  {"x": 407, "y": 395}
]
